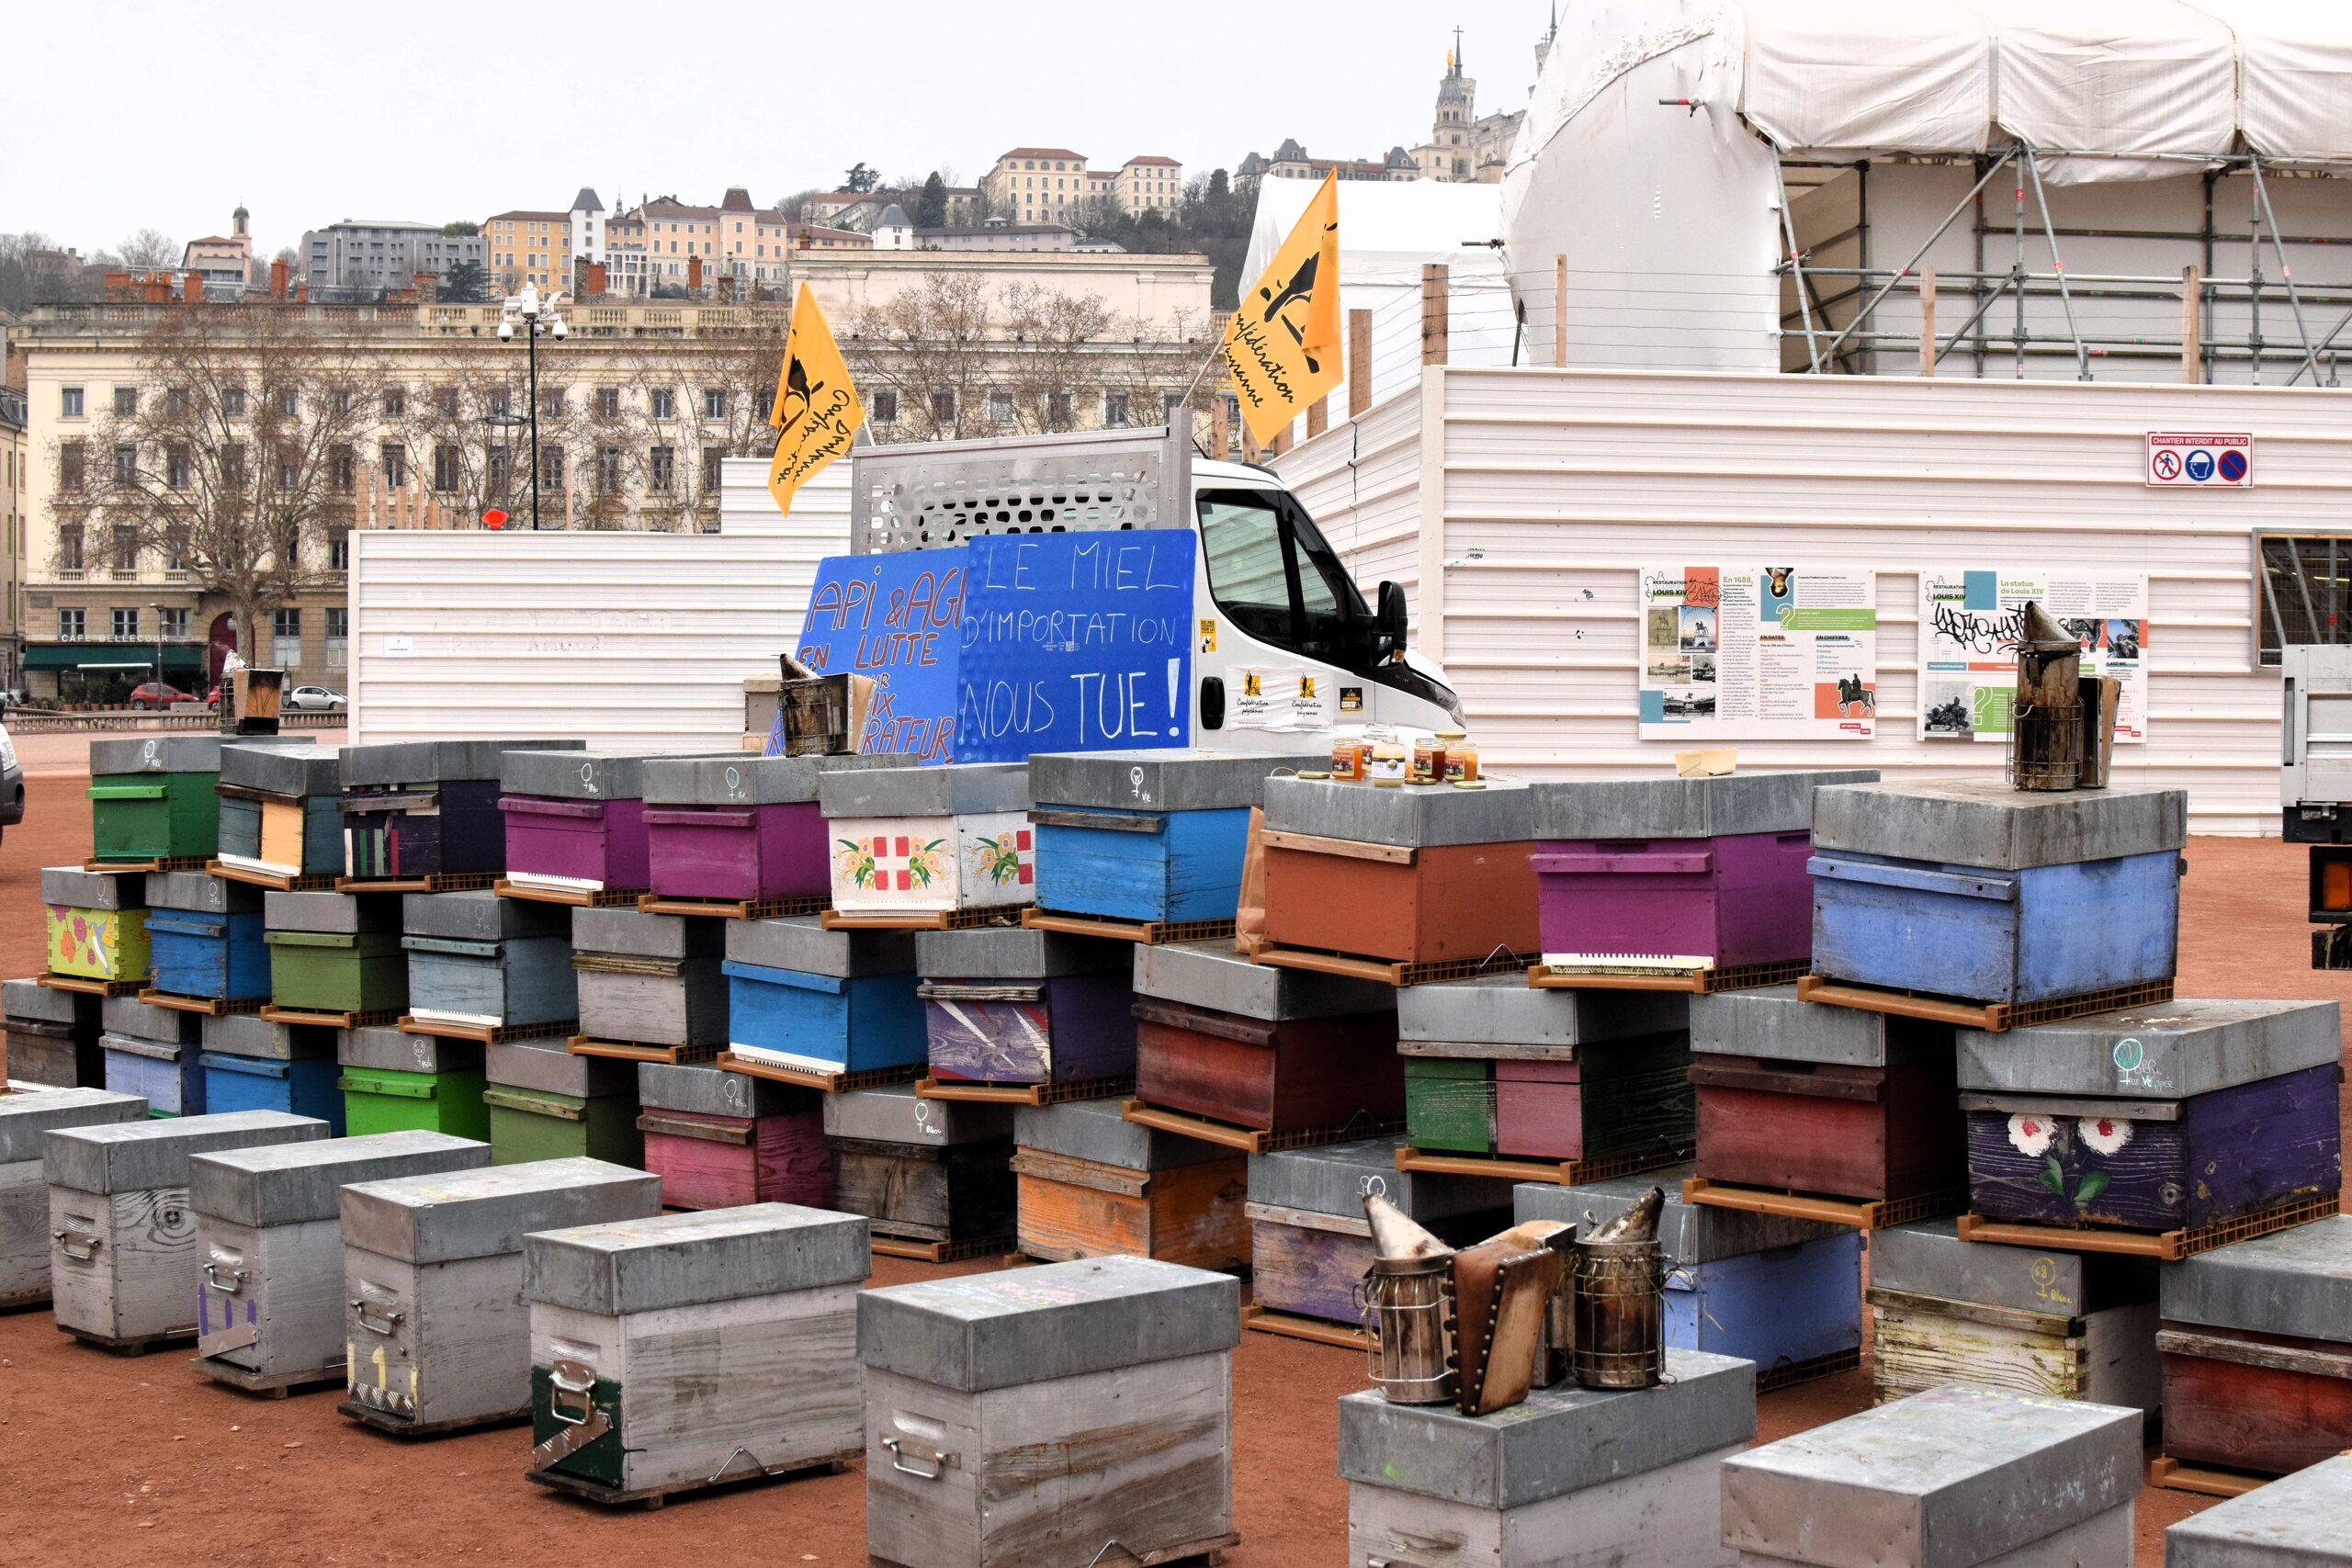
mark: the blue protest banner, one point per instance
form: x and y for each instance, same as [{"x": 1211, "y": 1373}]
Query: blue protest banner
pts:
[
  {"x": 1014, "y": 643},
  {"x": 898, "y": 618},
  {"x": 1075, "y": 642}
]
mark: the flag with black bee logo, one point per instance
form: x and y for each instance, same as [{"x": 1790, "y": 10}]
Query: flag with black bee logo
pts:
[
  {"x": 816, "y": 409},
  {"x": 1283, "y": 344}
]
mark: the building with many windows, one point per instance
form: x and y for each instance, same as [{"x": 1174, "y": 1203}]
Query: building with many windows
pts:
[
  {"x": 666, "y": 247},
  {"x": 225, "y": 262},
  {"x": 1149, "y": 183},
  {"x": 12, "y": 531},
  {"x": 1053, "y": 185},
  {"x": 358, "y": 259},
  {"x": 528, "y": 246}
]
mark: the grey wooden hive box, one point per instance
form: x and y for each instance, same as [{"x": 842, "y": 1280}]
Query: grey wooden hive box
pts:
[
  {"x": 1120, "y": 1367},
  {"x": 1333, "y": 1179},
  {"x": 437, "y": 1332},
  {"x": 340, "y": 914},
  {"x": 291, "y": 772},
  {"x": 802, "y": 945},
  {"x": 673, "y": 1350},
  {"x": 2069, "y": 1324},
  {"x": 702, "y": 1090},
  {"x": 1093, "y": 1130},
  {"x": 1502, "y": 1016},
  {"x": 959, "y": 789},
  {"x": 1986, "y": 822},
  {"x": 269, "y": 1245},
  {"x": 436, "y": 762},
  {"x": 895, "y": 1114},
  {"x": 1212, "y": 975},
  {"x": 1957, "y": 1477},
  {"x": 1012, "y": 952},
  {"x": 79, "y": 889},
  {"x": 1771, "y": 1022},
  {"x": 28, "y": 1115},
  {"x": 649, "y": 979},
  {"x": 1654, "y": 807},
  {"x": 477, "y": 958},
  {"x": 2165, "y": 1051},
  {"x": 1570, "y": 1475},
  {"x": 123, "y": 1263},
  {"x": 1177, "y": 779},
  {"x": 156, "y": 754},
  {"x": 2297, "y": 1521},
  {"x": 386, "y": 1049},
  {"x": 573, "y": 775},
  {"x": 200, "y": 893},
  {"x": 1502, "y": 813},
  {"x": 244, "y": 1034},
  {"x": 748, "y": 780}
]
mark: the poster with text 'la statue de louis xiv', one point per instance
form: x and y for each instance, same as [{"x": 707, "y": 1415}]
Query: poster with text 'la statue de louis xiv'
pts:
[
  {"x": 1968, "y": 635},
  {"x": 1758, "y": 653}
]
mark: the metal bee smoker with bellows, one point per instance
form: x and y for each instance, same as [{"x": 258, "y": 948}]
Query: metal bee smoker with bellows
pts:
[
  {"x": 1534, "y": 1306},
  {"x": 2062, "y": 734}
]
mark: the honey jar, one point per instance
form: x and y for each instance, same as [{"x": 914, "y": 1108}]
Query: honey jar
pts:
[
  {"x": 1461, "y": 756},
  {"x": 1350, "y": 755},
  {"x": 1386, "y": 767},
  {"x": 1428, "y": 760}
]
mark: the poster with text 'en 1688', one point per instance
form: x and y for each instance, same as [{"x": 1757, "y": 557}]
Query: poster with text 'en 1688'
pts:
[
  {"x": 1968, "y": 635},
  {"x": 1758, "y": 653}
]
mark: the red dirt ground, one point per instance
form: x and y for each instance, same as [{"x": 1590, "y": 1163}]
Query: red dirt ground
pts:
[{"x": 142, "y": 1461}]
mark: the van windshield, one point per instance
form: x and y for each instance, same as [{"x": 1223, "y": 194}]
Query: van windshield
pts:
[{"x": 1273, "y": 576}]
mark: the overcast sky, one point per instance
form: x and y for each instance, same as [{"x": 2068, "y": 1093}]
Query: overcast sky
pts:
[{"x": 141, "y": 114}]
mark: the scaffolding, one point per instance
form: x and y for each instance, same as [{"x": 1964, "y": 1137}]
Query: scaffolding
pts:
[{"x": 2303, "y": 356}]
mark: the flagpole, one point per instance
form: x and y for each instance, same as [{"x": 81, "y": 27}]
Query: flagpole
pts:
[{"x": 1213, "y": 355}]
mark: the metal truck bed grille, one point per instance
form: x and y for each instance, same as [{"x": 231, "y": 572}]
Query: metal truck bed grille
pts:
[{"x": 945, "y": 495}]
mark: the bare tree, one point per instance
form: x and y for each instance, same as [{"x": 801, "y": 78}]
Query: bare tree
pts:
[
  {"x": 464, "y": 434},
  {"x": 705, "y": 401},
  {"x": 238, "y": 459},
  {"x": 151, "y": 249},
  {"x": 933, "y": 345},
  {"x": 1053, "y": 361}
]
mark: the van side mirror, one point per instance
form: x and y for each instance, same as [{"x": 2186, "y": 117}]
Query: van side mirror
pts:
[{"x": 1389, "y": 622}]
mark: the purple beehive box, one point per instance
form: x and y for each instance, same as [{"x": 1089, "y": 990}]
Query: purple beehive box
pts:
[
  {"x": 1704, "y": 867},
  {"x": 741, "y": 827},
  {"x": 575, "y": 820},
  {"x": 1005, "y": 1005}
]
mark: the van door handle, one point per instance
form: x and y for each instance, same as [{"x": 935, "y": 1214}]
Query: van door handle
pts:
[{"x": 1211, "y": 714}]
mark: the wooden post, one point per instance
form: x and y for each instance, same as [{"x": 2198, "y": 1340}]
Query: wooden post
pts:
[
  {"x": 1281, "y": 443},
  {"x": 1220, "y": 435},
  {"x": 1319, "y": 417},
  {"x": 2191, "y": 326},
  {"x": 1927, "y": 321},
  {"x": 1358, "y": 362},
  {"x": 1247, "y": 442},
  {"x": 1435, "y": 280},
  {"x": 1559, "y": 311}
]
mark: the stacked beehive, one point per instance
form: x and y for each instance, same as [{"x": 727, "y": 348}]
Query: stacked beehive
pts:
[
  {"x": 575, "y": 824},
  {"x": 203, "y": 941},
  {"x": 53, "y": 1035},
  {"x": 1015, "y": 1007},
  {"x": 281, "y": 815},
  {"x": 933, "y": 1178},
  {"x": 742, "y": 831},
  {"x": 152, "y": 801},
  {"x": 1591, "y": 1083},
  {"x": 28, "y": 1113},
  {"x": 650, "y": 986},
  {"x": 487, "y": 968},
  {"x": 947, "y": 843},
  {"x": 422, "y": 815},
  {"x": 546, "y": 1102},
  {"x": 394, "y": 1082},
  {"x": 334, "y": 958},
  {"x": 721, "y": 1139},
  {"x": 1094, "y": 1184},
  {"x": 155, "y": 1052},
  {"x": 95, "y": 929},
  {"x": 252, "y": 1064}
]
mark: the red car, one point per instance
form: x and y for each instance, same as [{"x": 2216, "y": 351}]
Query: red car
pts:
[{"x": 156, "y": 695}]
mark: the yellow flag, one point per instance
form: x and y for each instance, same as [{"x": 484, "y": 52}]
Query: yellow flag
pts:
[
  {"x": 816, "y": 410},
  {"x": 1283, "y": 344}
]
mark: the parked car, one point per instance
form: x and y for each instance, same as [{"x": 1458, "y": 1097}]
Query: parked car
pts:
[
  {"x": 157, "y": 695},
  {"x": 12, "y": 783},
  {"x": 316, "y": 699}
]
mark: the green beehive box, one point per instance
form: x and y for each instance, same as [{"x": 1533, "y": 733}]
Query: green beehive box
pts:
[
  {"x": 394, "y": 1082},
  {"x": 145, "y": 817},
  {"x": 532, "y": 1124},
  {"x": 1450, "y": 1103},
  {"x": 334, "y": 952}
]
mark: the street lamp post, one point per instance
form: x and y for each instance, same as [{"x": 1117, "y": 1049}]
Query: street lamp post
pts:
[{"x": 538, "y": 315}]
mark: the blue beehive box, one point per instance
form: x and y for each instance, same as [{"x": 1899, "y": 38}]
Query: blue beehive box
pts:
[
  {"x": 204, "y": 937},
  {"x": 800, "y": 995},
  {"x": 2027, "y": 896},
  {"x": 1146, "y": 835},
  {"x": 250, "y": 1063},
  {"x": 1784, "y": 1293},
  {"x": 152, "y": 1051}
]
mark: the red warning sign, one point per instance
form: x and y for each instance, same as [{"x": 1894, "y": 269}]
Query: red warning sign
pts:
[{"x": 2199, "y": 459}]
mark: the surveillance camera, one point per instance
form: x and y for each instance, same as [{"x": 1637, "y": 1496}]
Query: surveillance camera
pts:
[
  {"x": 506, "y": 331},
  {"x": 560, "y": 331}
]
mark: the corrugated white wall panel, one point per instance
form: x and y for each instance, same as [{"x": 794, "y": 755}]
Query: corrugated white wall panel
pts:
[
  {"x": 1557, "y": 487},
  {"x": 620, "y": 638}
]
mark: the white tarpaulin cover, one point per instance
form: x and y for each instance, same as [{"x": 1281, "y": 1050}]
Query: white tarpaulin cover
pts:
[{"x": 1849, "y": 78}]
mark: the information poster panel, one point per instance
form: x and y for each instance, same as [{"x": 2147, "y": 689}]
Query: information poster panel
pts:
[
  {"x": 1758, "y": 653},
  {"x": 1968, "y": 635}
]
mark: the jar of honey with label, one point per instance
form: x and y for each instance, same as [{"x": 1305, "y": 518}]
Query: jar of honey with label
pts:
[
  {"x": 1461, "y": 756},
  {"x": 1387, "y": 768},
  {"x": 1349, "y": 757},
  {"x": 1428, "y": 760}
]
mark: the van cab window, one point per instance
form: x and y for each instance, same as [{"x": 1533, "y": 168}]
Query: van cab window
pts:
[{"x": 1274, "y": 578}]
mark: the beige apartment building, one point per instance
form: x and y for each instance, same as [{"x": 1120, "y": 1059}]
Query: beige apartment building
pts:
[
  {"x": 637, "y": 407},
  {"x": 529, "y": 247},
  {"x": 12, "y": 532},
  {"x": 1053, "y": 185}
]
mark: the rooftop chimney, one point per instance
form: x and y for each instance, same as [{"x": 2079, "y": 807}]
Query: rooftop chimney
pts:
[
  {"x": 278, "y": 279},
  {"x": 192, "y": 289},
  {"x": 693, "y": 275}
]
